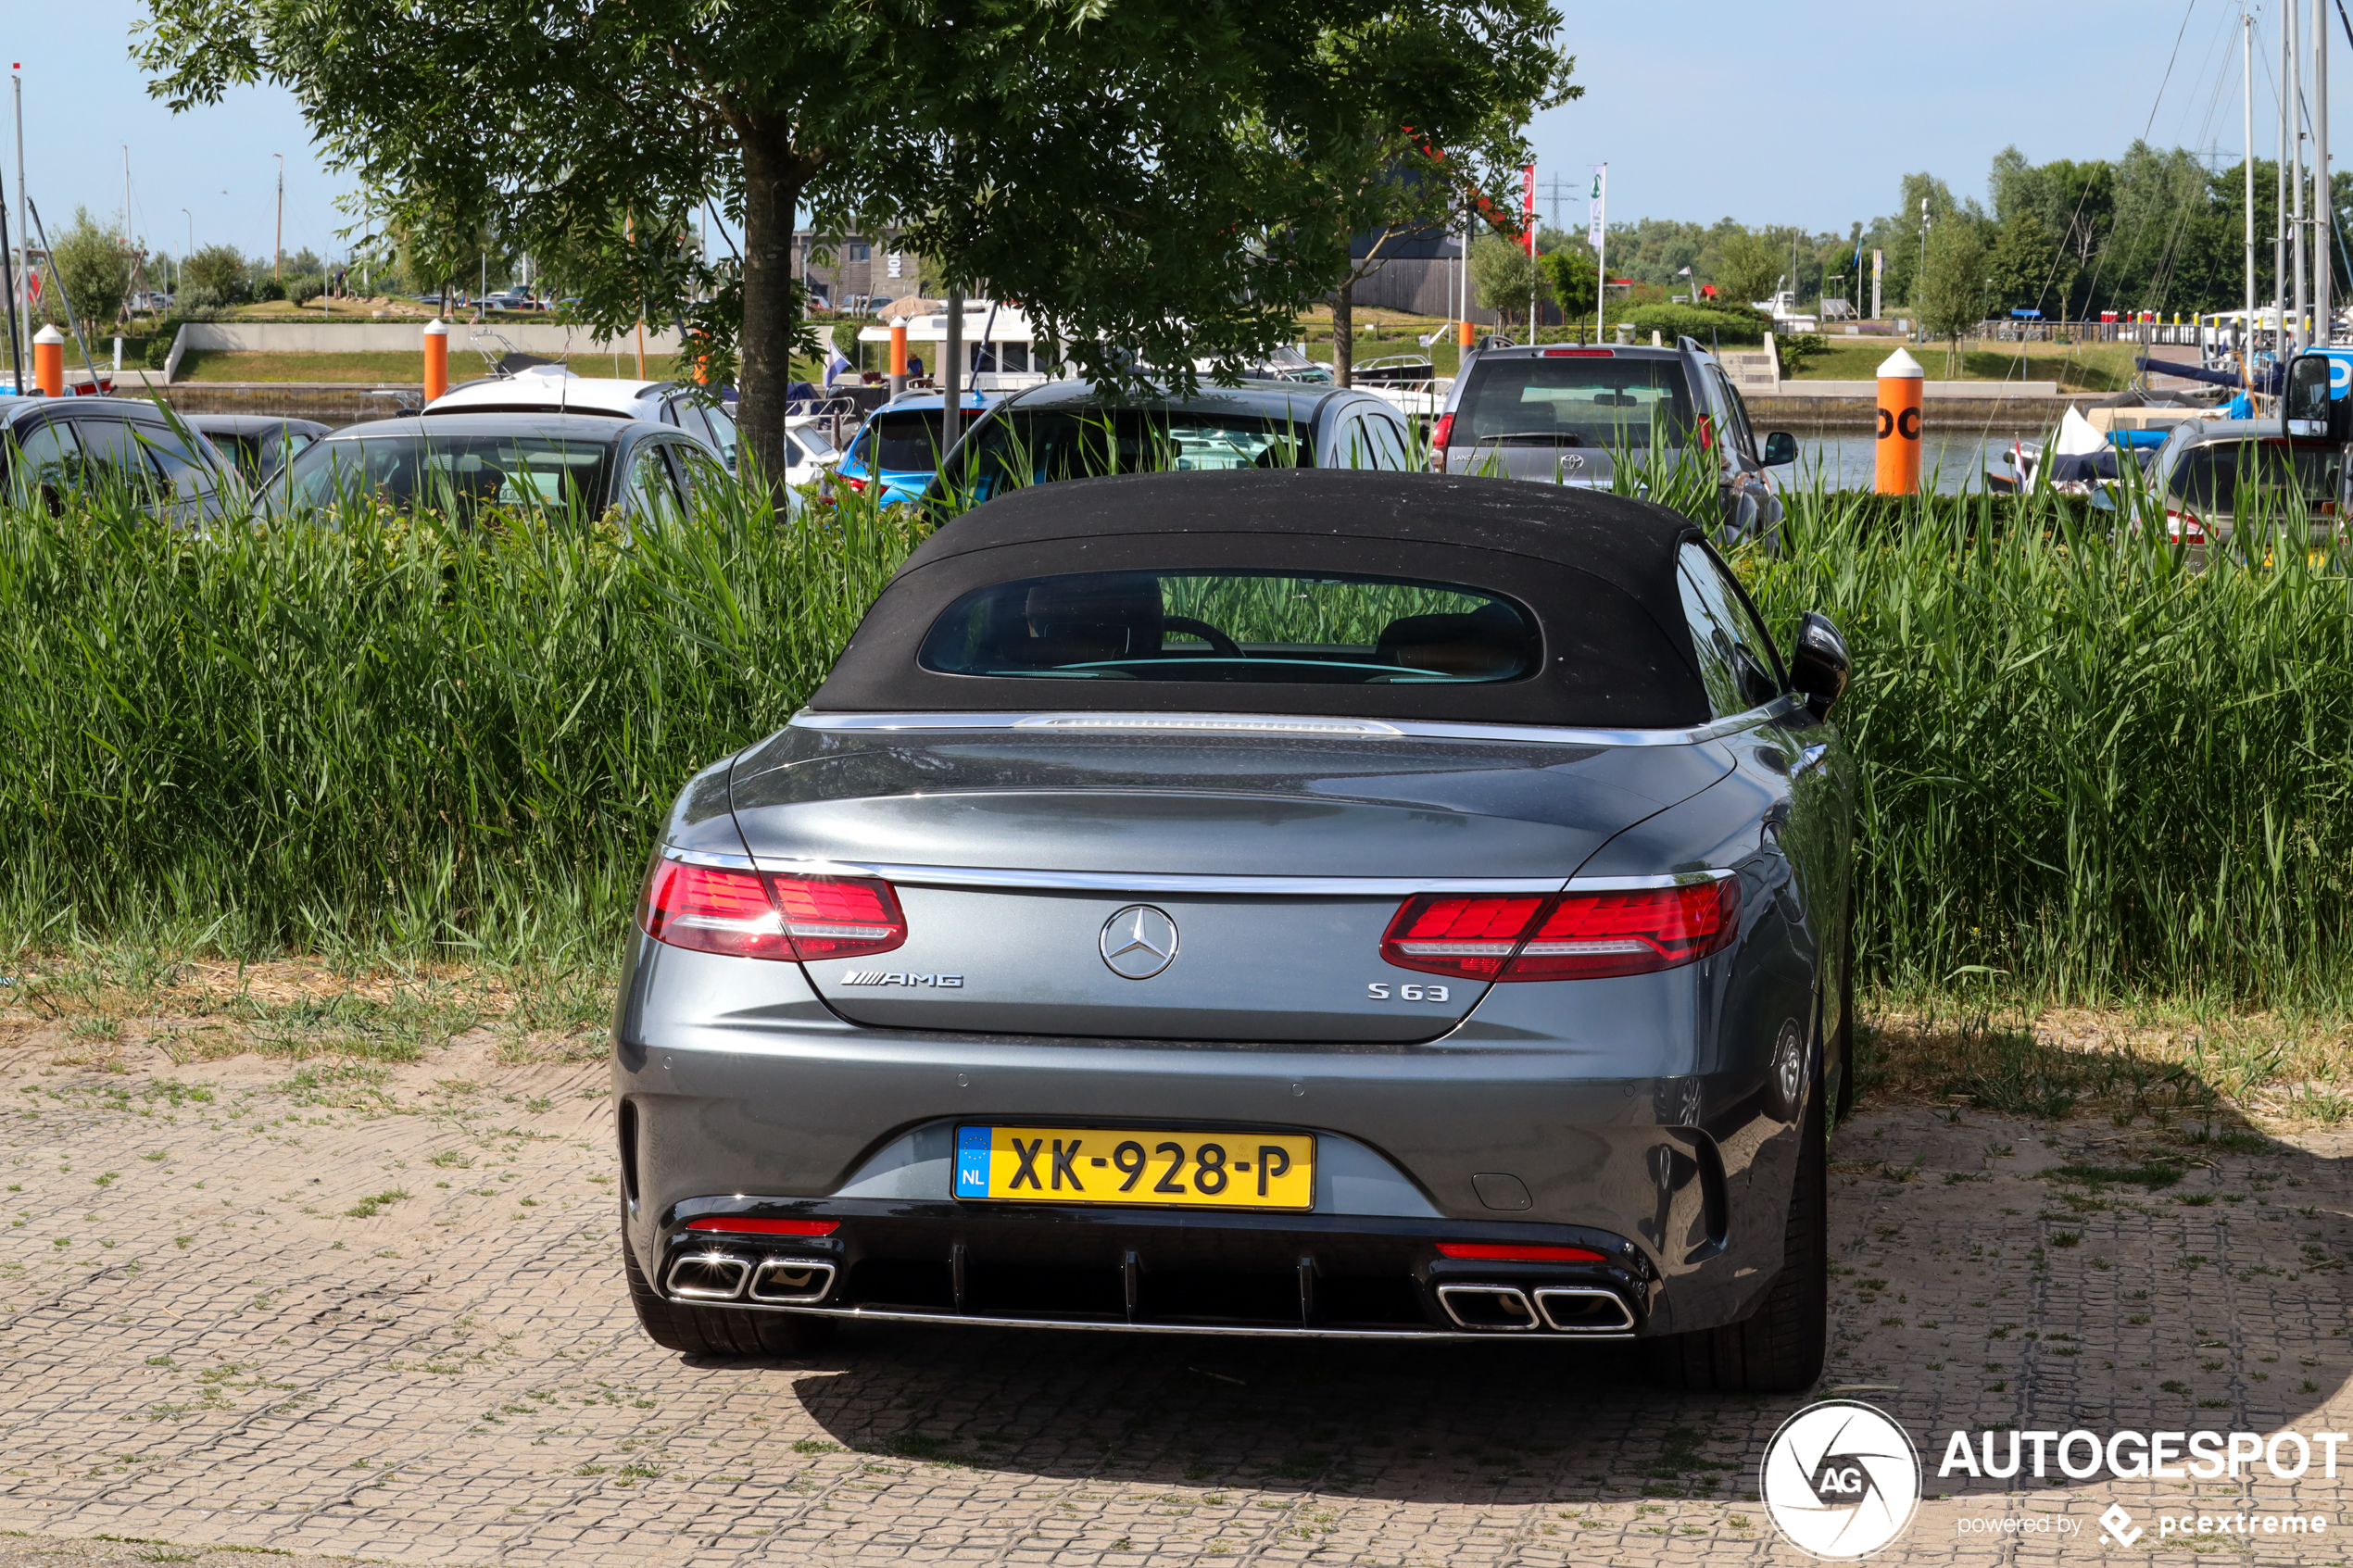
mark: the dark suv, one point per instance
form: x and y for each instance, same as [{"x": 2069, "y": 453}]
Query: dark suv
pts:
[
  {"x": 1559, "y": 412},
  {"x": 50, "y": 447}
]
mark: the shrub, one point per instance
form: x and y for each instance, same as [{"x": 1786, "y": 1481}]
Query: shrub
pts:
[
  {"x": 215, "y": 274},
  {"x": 267, "y": 289},
  {"x": 303, "y": 290},
  {"x": 1796, "y": 348},
  {"x": 1671, "y": 322}
]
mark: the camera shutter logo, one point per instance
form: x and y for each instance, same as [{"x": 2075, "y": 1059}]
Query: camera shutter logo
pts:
[{"x": 1841, "y": 1480}]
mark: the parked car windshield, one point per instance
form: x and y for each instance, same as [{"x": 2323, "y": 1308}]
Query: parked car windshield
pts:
[
  {"x": 1234, "y": 626},
  {"x": 1576, "y": 400},
  {"x": 1024, "y": 446},
  {"x": 2212, "y": 477},
  {"x": 456, "y": 475}
]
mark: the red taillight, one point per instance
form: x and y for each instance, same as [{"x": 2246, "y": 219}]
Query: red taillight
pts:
[
  {"x": 749, "y": 915},
  {"x": 1586, "y": 936},
  {"x": 741, "y": 1226},
  {"x": 1580, "y": 354},
  {"x": 1442, "y": 433},
  {"x": 1707, "y": 434},
  {"x": 2181, "y": 526},
  {"x": 713, "y": 909},
  {"x": 1576, "y": 935},
  {"x": 854, "y": 482},
  {"x": 831, "y": 917},
  {"x": 1494, "y": 1253},
  {"x": 1457, "y": 933}
]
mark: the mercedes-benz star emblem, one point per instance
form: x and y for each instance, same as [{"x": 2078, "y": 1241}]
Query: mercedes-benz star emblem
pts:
[{"x": 1139, "y": 942}]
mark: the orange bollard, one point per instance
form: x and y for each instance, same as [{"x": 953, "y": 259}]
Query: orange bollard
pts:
[
  {"x": 1900, "y": 379},
  {"x": 899, "y": 348},
  {"x": 49, "y": 361},
  {"x": 436, "y": 359},
  {"x": 1463, "y": 335}
]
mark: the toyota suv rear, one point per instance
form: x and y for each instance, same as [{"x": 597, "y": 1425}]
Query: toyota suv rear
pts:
[{"x": 1562, "y": 413}]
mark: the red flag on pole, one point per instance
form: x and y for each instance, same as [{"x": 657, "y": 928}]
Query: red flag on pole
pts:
[{"x": 1527, "y": 206}]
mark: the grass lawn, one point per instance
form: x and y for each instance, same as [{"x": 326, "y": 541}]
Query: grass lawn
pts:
[{"x": 2093, "y": 367}]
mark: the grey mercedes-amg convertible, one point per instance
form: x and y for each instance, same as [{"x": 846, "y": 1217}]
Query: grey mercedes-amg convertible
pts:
[{"x": 1344, "y": 904}]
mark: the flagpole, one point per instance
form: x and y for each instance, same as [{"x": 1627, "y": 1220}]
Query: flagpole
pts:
[{"x": 1598, "y": 231}]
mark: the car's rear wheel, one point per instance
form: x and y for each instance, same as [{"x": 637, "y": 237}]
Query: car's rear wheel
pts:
[
  {"x": 718, "y": 1331},
  {"x": 1778, "y": 1348}
]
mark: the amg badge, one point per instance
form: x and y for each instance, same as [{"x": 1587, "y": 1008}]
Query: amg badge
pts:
[{"x": 893, "y": 977}]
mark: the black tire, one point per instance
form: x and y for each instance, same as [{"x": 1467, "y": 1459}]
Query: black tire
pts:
[
  {"x": 719, "y": 1331},
  {"x": 1778, "y": 1348}
]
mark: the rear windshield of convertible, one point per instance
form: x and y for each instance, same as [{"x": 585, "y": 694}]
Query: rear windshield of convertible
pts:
[{"x": 1234, "y": 626}]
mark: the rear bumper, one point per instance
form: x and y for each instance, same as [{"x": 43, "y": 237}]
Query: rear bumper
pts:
[
  {"x": 740, "y": 1092},
  {"x": 1339, "y": 1276}
]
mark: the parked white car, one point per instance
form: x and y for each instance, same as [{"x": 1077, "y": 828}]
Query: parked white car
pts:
[{"x": 553, "y": 388}]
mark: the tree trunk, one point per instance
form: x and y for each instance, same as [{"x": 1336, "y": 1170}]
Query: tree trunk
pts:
[
  {"x": 775, "y": 174},
  {"x": 1344, "y": 334}
]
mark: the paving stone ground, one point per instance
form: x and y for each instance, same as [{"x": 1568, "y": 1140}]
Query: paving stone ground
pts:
[{"x": 319, "y": 1310}]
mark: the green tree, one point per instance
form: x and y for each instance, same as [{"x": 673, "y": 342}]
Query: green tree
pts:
[
  {"x": 216, "y": 271},
  {"x": 1572, "y": 276},
  {"x": 90, "y": 261},
  {"x": 1503, "y": 276},
  {"x": 1953, "y": 285},
  {"x": 1403, "y": 189},
  {"x": 1747, "y": 266},
  {"x": 2023, "y": 265},
  {"x": 1149, "y": 179}
]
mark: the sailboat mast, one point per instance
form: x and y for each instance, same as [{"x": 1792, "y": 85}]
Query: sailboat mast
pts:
[
  {"x": 2247, "y": 87},
  {"x": 2322, "y": 272},
  {"x": 2296, "y": 195}
]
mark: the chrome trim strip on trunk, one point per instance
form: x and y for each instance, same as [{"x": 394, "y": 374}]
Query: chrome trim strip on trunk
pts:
[
  {"x": 878, "y": 1314},
  {"x": 1188, "y": 882},
  {"x": 1289, "y": 725}
]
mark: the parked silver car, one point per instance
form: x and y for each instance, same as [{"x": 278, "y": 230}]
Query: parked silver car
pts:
[
  {"x": 1369, "y": 905},
  {"x": 2207, "y": 470},
  {"x": 1562, "y": 413}
]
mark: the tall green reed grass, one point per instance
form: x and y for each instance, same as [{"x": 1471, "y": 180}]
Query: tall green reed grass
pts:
[
  {"x": 2093, "y": 764},
  {"x": 388, "y": 734},
  {"x": 2095, "y": 761}
]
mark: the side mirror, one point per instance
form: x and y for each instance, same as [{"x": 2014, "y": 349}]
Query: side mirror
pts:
[
  {"x": 1780, "y": 447},
  {"x": 2305, "y": 406},
  {"x": 1818, "y": 664}
]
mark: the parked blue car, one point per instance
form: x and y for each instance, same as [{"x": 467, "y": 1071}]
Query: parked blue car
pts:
[{"x": 896, "y": 452}]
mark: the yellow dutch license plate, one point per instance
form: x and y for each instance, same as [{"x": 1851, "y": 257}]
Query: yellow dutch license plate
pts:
[{"x": 1111, "y": 1165}]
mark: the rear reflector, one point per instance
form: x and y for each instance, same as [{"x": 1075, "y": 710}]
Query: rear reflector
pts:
[
  {"x": 747, "y": 914},
  {"x": 1573, "y": 936},
  {"x": 1487, "y": 1252},
  {"x": 738, "y": 1225}
]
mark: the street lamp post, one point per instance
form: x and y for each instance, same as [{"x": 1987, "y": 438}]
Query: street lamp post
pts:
[{"x": 1919, "y": 284}]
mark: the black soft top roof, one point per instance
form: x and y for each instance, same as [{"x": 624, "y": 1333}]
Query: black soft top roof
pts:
[{"x": 1598, "y": 570}]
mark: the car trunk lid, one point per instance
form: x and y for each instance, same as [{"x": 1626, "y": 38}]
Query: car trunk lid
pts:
[{"x": 1164, "y": 888}]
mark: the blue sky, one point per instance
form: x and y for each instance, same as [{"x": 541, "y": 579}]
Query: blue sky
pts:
[{"x": 1770, "y": 113}]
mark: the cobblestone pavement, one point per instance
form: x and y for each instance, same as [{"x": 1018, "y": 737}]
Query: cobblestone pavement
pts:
[{"x": 347, "y": 1310}]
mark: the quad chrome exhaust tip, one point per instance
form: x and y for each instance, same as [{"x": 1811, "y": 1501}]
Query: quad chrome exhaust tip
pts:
[
  {"x": 1584, "y": 1308},
  {"x": 787, "y": 1282},
  {"x": 1567, "y": 1309},
  {"x": 708, "y": 1276},
  {"x": 1498, "y": 1308}
]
